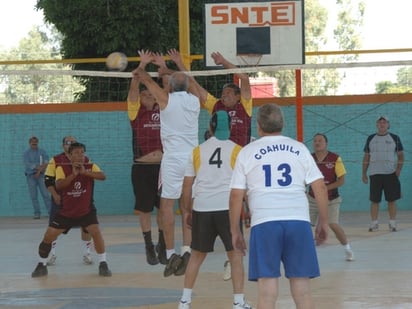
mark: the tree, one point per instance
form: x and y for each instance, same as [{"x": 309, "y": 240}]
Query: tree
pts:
[
  {"x": 40, "y": 43},
  {"x": 403, "y": 83},
  {"x": 97, "y": 28}
]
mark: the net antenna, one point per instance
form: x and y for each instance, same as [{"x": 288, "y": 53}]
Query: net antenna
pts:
[{"x": 249, "y": 60}]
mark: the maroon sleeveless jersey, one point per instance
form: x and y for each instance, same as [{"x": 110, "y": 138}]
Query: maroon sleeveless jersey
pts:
[
  {"x": 327, "y": 167},
  {"x": 77, "y": 198},
  {"x": 240, "y": 122},
  {"x": 146, "y": 132}
]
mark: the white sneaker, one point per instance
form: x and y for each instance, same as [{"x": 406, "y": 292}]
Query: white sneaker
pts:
[
  {"x": 349, "y": 255},
  {"x": 245, "y": 305},
  {"x": 52, "y": 260},
  {"x": 392, "y": 227},
  {"x": 373, "y": 227},
  {"x": 87, "y": 259},
  {"x": 227, "y": 272},
  {"x": 184, "y": 305}
]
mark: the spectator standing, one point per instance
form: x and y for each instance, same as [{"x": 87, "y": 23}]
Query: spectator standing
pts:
[
  {"x": 383, "y": 157},
  {"x": 35, "y": 162}
]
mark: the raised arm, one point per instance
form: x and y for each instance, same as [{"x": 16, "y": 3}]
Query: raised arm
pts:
[
  {"x": 245, "y": 90},
  {"x": 196, "y": 88}
]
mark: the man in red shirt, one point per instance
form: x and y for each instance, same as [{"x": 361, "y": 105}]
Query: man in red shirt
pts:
[{"x": 75, "y": 183}]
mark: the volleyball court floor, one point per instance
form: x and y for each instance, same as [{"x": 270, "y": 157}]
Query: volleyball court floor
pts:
[{"x": 380, "y": 277}]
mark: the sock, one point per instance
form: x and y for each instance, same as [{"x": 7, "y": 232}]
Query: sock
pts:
[
  {"x": 53, "y": 249},
  {"x": 347, "y": 246},
  {"x": 101, "y": 257},
  {"x": 148, "y": 238},
  {"x": 43, "y": 261},
  {"x": 86, "y": 246},
  {"x": 186, "y": 296},
  {"x": 374, "y": 222},
  {"x": 161, "y": 238},
  {"x": 169, "y": 253},
  {"x": 239, "y": 298},
  {"x": 392, "y": 222},
  {"x": 185, "y": 249}
]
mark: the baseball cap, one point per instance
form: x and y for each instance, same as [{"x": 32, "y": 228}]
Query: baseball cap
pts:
[
  {"x": 383, "y": 117},
  {"x": 220, "y": 124}
]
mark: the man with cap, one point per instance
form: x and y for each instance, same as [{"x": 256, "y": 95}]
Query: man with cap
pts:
[
  {"x": 206, "y": 200},
  {"x": 384, "y": 159}
]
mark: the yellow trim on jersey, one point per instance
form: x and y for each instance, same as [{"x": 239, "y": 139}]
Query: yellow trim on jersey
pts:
[
  {"x": 211, "y": 101},
  {"x": 339, "y": 168},
  {"x": 247, "y": 105},
  {"x": 133, "y": 109},
  {"x": 61, "y": 175},
  {"x": 51, "y": 168},
  {"x": 235, "y": 152},
  {"x": 196, "y": 158}
]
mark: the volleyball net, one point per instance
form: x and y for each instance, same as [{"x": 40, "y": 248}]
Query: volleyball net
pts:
[{"x": 40, "y": 86}]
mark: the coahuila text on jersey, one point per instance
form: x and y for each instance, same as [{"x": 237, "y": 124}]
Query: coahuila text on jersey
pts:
[{"x": 274, "y": 148}]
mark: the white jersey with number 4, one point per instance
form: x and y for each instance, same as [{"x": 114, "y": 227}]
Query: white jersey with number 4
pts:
[
  {"x": 275, "y": 171},
  {"x": 212, "y": 164}
]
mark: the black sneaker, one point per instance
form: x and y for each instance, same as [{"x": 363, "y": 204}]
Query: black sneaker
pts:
[
  {"x": 104, "y": 270},
  {"x": 40, "y": 271},
  {"x": 151, "y": 257},
  {"x": 161, "y": 254},
  {"x": 172, "y": 265},
  {"x": 182, "y": 268}
]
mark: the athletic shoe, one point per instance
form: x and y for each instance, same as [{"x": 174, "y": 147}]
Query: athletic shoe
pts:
[
  {"x": 151, "y": 257},
  {"x": 245, "y": 305},
  {"x": 52, "y": 260},
  {"x": 182, "y": 267},
  {"x": 40, "y": 271},
  {"x": 184, "y": 305},
  {"x": 392, "y": 227},
  {"x": 349, "y": 255},
  {"x": 227, "y": 271},
  {"x": 161, "y": 254},
  {"x": 373, "y": 227},
  {"x": 87, "y": 259},
  {"x": 104, "y": 270},
  {"x": 172, "y": 265}
]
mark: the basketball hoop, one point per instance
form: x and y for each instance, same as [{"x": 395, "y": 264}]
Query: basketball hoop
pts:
[{"x": 249, "y": 60}]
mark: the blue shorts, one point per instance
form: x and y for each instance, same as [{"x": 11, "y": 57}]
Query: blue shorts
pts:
[{"x": 290, "y": 242}]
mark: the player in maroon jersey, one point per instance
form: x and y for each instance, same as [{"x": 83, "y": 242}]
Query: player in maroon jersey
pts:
[
  {"x": 50, "y": 182},
  {"x": 75, "y": 182},
  {"x": 333, "y": 170},
  {"x": 144, "y": 116}
]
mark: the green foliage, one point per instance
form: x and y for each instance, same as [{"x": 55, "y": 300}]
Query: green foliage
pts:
[
  {"x": 39, "y": 44},
  {"x": 403, "y": 83},
  {"x": 97, "y": 28}
]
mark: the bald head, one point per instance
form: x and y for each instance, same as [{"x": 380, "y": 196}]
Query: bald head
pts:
[{"x": 179, "y": 81}]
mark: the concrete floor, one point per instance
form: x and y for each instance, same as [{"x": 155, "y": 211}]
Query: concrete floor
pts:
[{"x": 381, "y": 276}]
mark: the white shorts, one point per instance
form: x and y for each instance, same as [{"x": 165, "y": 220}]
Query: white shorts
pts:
[{"x": 172, "y": 174}]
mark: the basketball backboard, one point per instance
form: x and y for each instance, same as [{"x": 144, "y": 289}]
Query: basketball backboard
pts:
[{"x": 264, "y": 32}]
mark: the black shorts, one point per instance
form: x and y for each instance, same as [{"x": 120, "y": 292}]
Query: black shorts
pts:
[
  {"x": 206, "y": 226},
  {"x": 54, "y": 210},
  {"x": 65, "y": 223},
  {"x": 145, "y": 181},
  {"x": 388, "y": 183}
]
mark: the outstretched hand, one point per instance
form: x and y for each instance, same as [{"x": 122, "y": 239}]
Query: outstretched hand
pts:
[
  {"x": 218, "y": 58},
  {"x": 175, "y": 56},
  {"x": 159, "y": 60},
  {"x": 146, "y": 56}
]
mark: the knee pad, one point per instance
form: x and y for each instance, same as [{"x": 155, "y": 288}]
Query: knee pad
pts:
[{"x": 44, "y": 249}]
